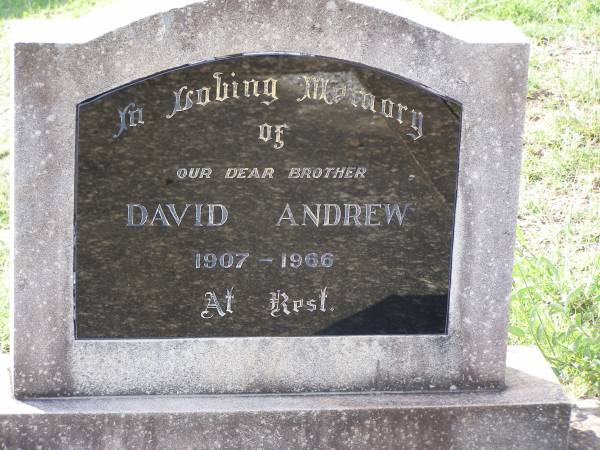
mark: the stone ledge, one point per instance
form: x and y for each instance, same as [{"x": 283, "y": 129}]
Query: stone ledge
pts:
[{"x": 531, "y": 413}]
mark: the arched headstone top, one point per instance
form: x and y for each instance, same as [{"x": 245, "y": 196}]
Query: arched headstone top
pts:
[
  {"x": 122, "y": 14},
  {"x": 152, "y": 37}
]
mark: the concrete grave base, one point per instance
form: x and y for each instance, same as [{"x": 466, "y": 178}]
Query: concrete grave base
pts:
[{"x": 530, "y": 413}]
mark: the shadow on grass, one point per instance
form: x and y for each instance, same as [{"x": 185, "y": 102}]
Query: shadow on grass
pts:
[{"x": 18, "y": 9}]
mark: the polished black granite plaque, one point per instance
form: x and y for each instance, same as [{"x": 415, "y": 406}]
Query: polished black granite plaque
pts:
[{"x": 265, "y": 195}]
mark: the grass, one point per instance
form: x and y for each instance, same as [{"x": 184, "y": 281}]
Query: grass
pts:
[
  {"x": 555, "y": 302},
  {"x": 18, "y": 9}
]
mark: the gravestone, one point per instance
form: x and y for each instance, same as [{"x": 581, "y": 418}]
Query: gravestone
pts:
[{"x": 255, "y": 224}]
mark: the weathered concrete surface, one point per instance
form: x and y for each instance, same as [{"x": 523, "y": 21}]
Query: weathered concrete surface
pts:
[
  {"x": 531, "y": 413},
  {"x": 483, "y": 66},
  {"x": 585, "y": 425}
]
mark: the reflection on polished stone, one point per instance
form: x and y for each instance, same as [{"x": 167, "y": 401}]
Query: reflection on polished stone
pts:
[{"x": 265, "y": 195}]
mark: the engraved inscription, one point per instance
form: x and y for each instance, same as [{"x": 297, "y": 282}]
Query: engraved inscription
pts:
[
  {"x": 214, "y": 306},
  {"x": 347, "y": 214},
  {"x": 130, "y": 115},
  {"x": 277, "y": 130},
  {"x": 282, "y": 305},
  {"x": 198, "y": 214},
  {"x": 265, "y": 195},
  {"x": 224, "y": 260},
  {"x": 328, "y": 92},
  {"x": 185, "y": 98},
  {"x": 194, "y": 172}
]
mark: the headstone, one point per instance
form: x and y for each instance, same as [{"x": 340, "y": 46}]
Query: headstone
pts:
[{"x": 271, "y": 198}]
